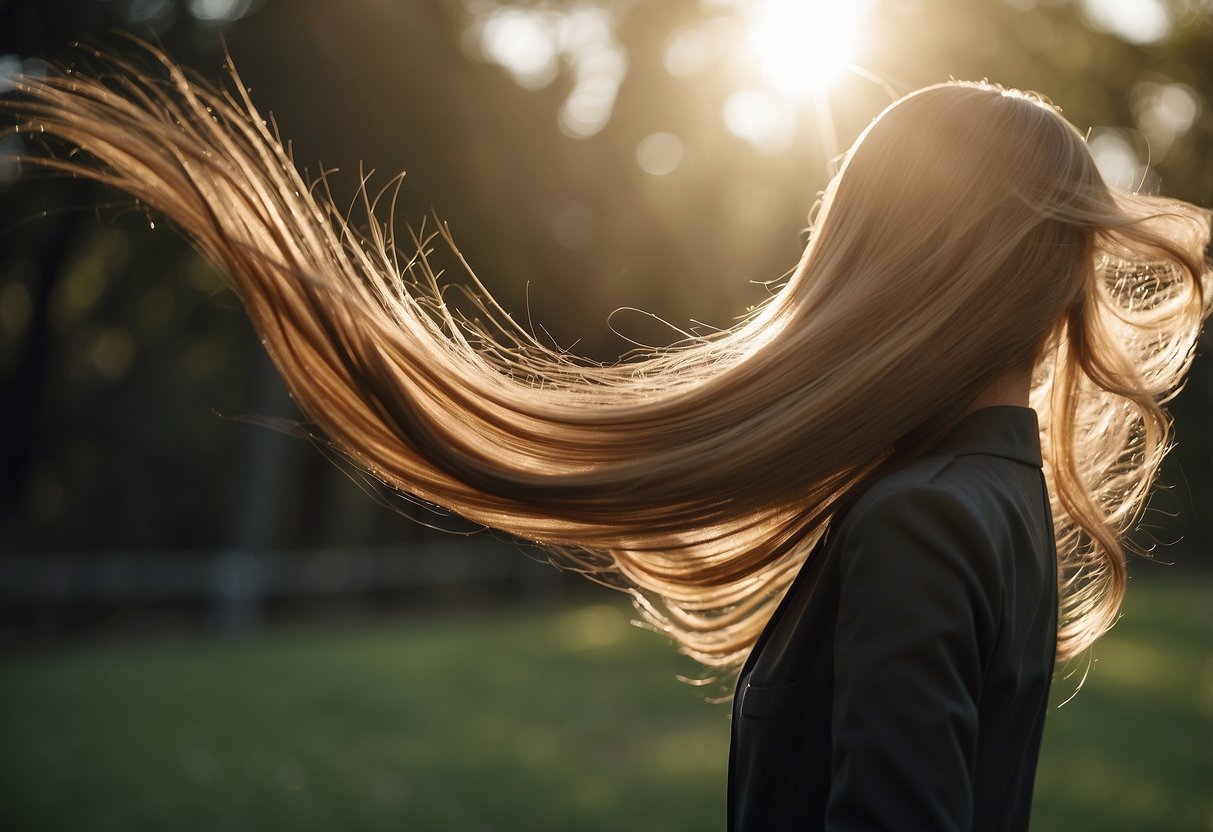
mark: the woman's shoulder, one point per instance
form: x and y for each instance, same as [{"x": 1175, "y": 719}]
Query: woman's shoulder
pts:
[
  {"x": 940, "y": 496},
  {"x": 980, "y": 487},
  {"x": 966, "y": 477},
  {"x": 919, "y": 530},
  {"x": 933, "y": 478}
]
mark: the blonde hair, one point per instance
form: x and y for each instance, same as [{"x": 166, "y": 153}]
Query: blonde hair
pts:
[{"x": 967, "y": 233}]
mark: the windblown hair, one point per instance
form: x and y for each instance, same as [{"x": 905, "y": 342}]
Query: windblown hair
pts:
[{"x": 967, "y": 234}]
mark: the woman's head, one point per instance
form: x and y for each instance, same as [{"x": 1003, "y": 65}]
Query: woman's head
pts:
[
  {"x": 969, "y": 232},
  {"x": 955, "y": 228}
]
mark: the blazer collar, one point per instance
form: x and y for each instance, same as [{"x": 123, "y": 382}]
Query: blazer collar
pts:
[{"x": 1004, "y": 430}]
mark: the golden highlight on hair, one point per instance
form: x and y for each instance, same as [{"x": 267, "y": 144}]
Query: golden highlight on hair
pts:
[{"x": 967, "y": 233}]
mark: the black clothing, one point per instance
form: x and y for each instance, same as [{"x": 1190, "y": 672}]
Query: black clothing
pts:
[{"x": 903, "y": 680}]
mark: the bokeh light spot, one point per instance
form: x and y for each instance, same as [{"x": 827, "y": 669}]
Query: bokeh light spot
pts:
[
  {"x": 533, "y": 44},
  {"x": 760, "y": 118},
  {"x": 659, "y": 154},
  {"x": 1163, "y": 113},
  {"x": 588, "y": 107},
  {"x": 112, "y": 352},
  {"x": 220, "y": 11},
  {"x": 521, "y": 42},
  {"x": 582, "y": 30},
  {"x": 157, "y": 14},
  {"x": 1115, "y": 157},
  {"x": 686, "y": 53},
  {"x": 1136, "y": 21}
]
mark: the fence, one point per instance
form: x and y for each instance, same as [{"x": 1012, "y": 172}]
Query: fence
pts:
[{"x": 232, "y": 589}]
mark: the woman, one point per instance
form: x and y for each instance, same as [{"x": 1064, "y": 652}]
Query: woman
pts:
[{"x": 863, "y": 452}]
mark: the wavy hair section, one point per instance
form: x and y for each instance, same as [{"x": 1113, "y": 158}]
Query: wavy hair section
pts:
[{"x": 966, "y": 234}]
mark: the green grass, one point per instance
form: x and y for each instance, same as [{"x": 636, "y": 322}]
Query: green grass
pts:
[
  {"x": 551, "y": 719},
  {"x": 1134, "y": 749}
]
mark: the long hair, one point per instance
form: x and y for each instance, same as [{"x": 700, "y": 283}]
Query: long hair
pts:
[{"x": 967, "y": 233}]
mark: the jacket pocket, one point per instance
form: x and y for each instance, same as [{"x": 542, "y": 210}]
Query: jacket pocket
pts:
[{"x": 772, "y": 701}]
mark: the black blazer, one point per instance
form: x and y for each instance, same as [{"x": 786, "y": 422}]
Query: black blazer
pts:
[{"x": 902, "y": 682}]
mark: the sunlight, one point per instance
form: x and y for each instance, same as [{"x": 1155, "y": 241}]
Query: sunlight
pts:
[{"x": 802, "y": 46}]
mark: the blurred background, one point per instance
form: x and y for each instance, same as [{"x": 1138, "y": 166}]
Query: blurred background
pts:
[{"x": 206, "y": 623}]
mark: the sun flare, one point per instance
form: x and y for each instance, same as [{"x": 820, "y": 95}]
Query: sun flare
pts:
[{"x": 802, "y": 46}]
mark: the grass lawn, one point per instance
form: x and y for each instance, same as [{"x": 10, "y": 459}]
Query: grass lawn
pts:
[{"x": 546, "y": 719}]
